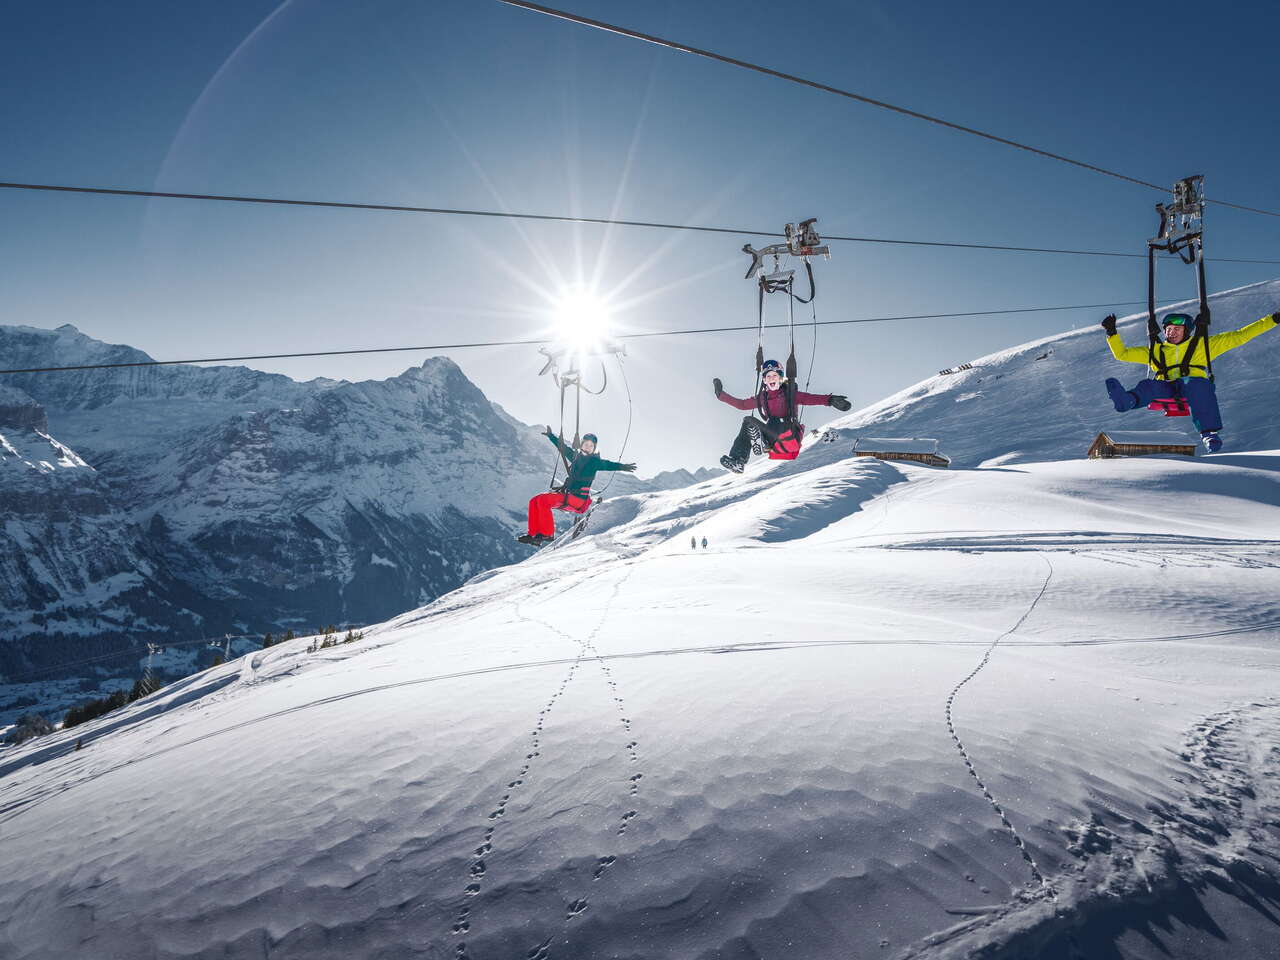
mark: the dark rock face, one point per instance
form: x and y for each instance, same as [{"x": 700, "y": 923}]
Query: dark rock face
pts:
[{"x": 19, "y": 412}]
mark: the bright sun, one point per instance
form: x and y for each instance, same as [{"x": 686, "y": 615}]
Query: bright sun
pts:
[{"x": 581, "y": 320}]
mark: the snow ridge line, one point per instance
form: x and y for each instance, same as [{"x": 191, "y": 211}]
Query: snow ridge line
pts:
[
  {"x": 478, "y": 866},
  {"x": 964, "y": 754},
  {"x": 579, "y": 905}
]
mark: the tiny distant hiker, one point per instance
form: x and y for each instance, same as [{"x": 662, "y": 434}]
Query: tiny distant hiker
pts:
[
  {"x": 780, "y": 426},
  {"x": 1180, "y": 368},
  {"x": 704, "y": 543},
  {"x": 574, "y": 495},
  {"x": 693, "y": 542}
]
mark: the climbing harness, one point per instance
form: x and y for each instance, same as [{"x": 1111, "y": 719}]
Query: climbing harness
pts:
[
  {"x": 802, "y": 241},
  {"x": 1181, "y": 233}
]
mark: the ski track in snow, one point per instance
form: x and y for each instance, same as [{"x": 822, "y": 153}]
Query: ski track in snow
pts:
[
  {"x": 964, "y": 754},
  {"x": 478, "y": 866}
]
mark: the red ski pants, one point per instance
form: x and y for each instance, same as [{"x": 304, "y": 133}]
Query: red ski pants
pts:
[{"x": 540, "y": 507}]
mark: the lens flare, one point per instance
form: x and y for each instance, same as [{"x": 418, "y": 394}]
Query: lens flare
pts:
[{"x": 581, "y": 320}]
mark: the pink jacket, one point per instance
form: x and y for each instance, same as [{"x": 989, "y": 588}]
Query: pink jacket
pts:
[{"x": 775, "y": 401}]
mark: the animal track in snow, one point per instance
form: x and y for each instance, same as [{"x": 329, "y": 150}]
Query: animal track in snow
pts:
[{"x": 478, "y": 867}]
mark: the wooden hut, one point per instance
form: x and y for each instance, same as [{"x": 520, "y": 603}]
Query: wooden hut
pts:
[
  {"x": 1140, "y": 443},
  {"x": 918, "y": 449}
]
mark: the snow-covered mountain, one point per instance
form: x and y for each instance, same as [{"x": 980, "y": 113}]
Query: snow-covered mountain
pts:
[
  {"x": 269, "y": 502},
  {"x": 1013, "y": 711},
  {"x": 76, "y": 577}
]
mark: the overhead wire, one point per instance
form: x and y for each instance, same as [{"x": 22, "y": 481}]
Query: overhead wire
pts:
[
  {"x": 861, "y": 98},
  {"x": 560, "y": 218},
  {"x": 644, "y": 335}
]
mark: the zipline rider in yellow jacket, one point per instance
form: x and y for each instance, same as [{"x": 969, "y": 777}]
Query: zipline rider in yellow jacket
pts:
[{"x": 1181, "y": 369}]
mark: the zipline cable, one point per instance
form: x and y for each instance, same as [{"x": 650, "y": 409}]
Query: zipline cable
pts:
[
  {"x": 556, "y": 218},
  {"x": 536, "y": 341},
  {"x": 861, "y": 98}
]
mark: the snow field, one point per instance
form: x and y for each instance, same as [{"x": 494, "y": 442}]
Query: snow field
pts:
[{"x": 626, "y": 748}]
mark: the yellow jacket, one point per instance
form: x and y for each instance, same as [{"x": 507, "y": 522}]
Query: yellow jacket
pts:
[{"x": 1219, "y": 344}]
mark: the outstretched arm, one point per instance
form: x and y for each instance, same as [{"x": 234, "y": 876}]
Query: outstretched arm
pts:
[
  {"x": 563, "y": 448},
  {"x": 1127, "y": 354},
  {"x": 732, "y": 400},
  {"x": 1222, "y": 342},
  {"x": 613, "y": 465},
  {"x": 1118, "y": 349},
  {"x": 813, "y": 399}
]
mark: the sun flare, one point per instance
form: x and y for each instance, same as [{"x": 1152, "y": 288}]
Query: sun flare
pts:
[{"x": 582, "y": 320}]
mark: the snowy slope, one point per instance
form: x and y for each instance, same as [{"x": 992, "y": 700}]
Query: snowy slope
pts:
[
  {"x": 825, "y": 736},
  {"x": 1045, "y": 400}
]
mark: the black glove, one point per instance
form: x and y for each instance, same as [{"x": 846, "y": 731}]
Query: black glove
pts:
[
  {"x": 1109, "y": 325},
  {"x": 549, "y": 433},
  {"x": 719, "y": 387},
  {"x": 839, "y": 402},
  {"x": 627, "y": 467}
]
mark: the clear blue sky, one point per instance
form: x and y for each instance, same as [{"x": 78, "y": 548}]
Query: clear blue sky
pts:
[{"x": 471, "y": 103}]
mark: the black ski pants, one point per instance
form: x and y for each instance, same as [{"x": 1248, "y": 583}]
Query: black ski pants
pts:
[{"x": 770, "y": 430}]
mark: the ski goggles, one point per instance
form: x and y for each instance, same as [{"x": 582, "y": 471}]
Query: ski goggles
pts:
[{"x": 1177, "y": 320}]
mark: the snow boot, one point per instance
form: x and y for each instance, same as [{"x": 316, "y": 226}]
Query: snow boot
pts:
[
  {"x": 730, "y": 463},
  {"x": 1121, "y": 398},
  {"x": 528, "y": 538},
  {"x": 1212, "y": 442}
]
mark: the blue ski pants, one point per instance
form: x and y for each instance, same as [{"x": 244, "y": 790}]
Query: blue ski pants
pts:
[{"x": 1199, "y": 392}]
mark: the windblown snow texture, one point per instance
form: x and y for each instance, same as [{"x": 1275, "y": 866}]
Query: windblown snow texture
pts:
[{"x": 824, "y": 736}]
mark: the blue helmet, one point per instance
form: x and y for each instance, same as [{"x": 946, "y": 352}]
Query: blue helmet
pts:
[
  {"x": 592, "y": 437},
  {"x": 771, "y": 366}
]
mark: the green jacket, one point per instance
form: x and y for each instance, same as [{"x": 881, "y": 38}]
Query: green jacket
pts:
[
  {"x": 582, "y": 467},
  {"x": 1173, "y": 355}
]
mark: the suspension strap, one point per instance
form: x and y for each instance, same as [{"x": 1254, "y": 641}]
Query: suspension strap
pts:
[
  {"x": 1155, "y": 356},
  {"x": 790, "y": 385},
  {"x": 1201, "y": 335},
  {"x": 555, "y": 466},
  {"x": 759, "y": 329},
  {"x": 577, "y": 413}
]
